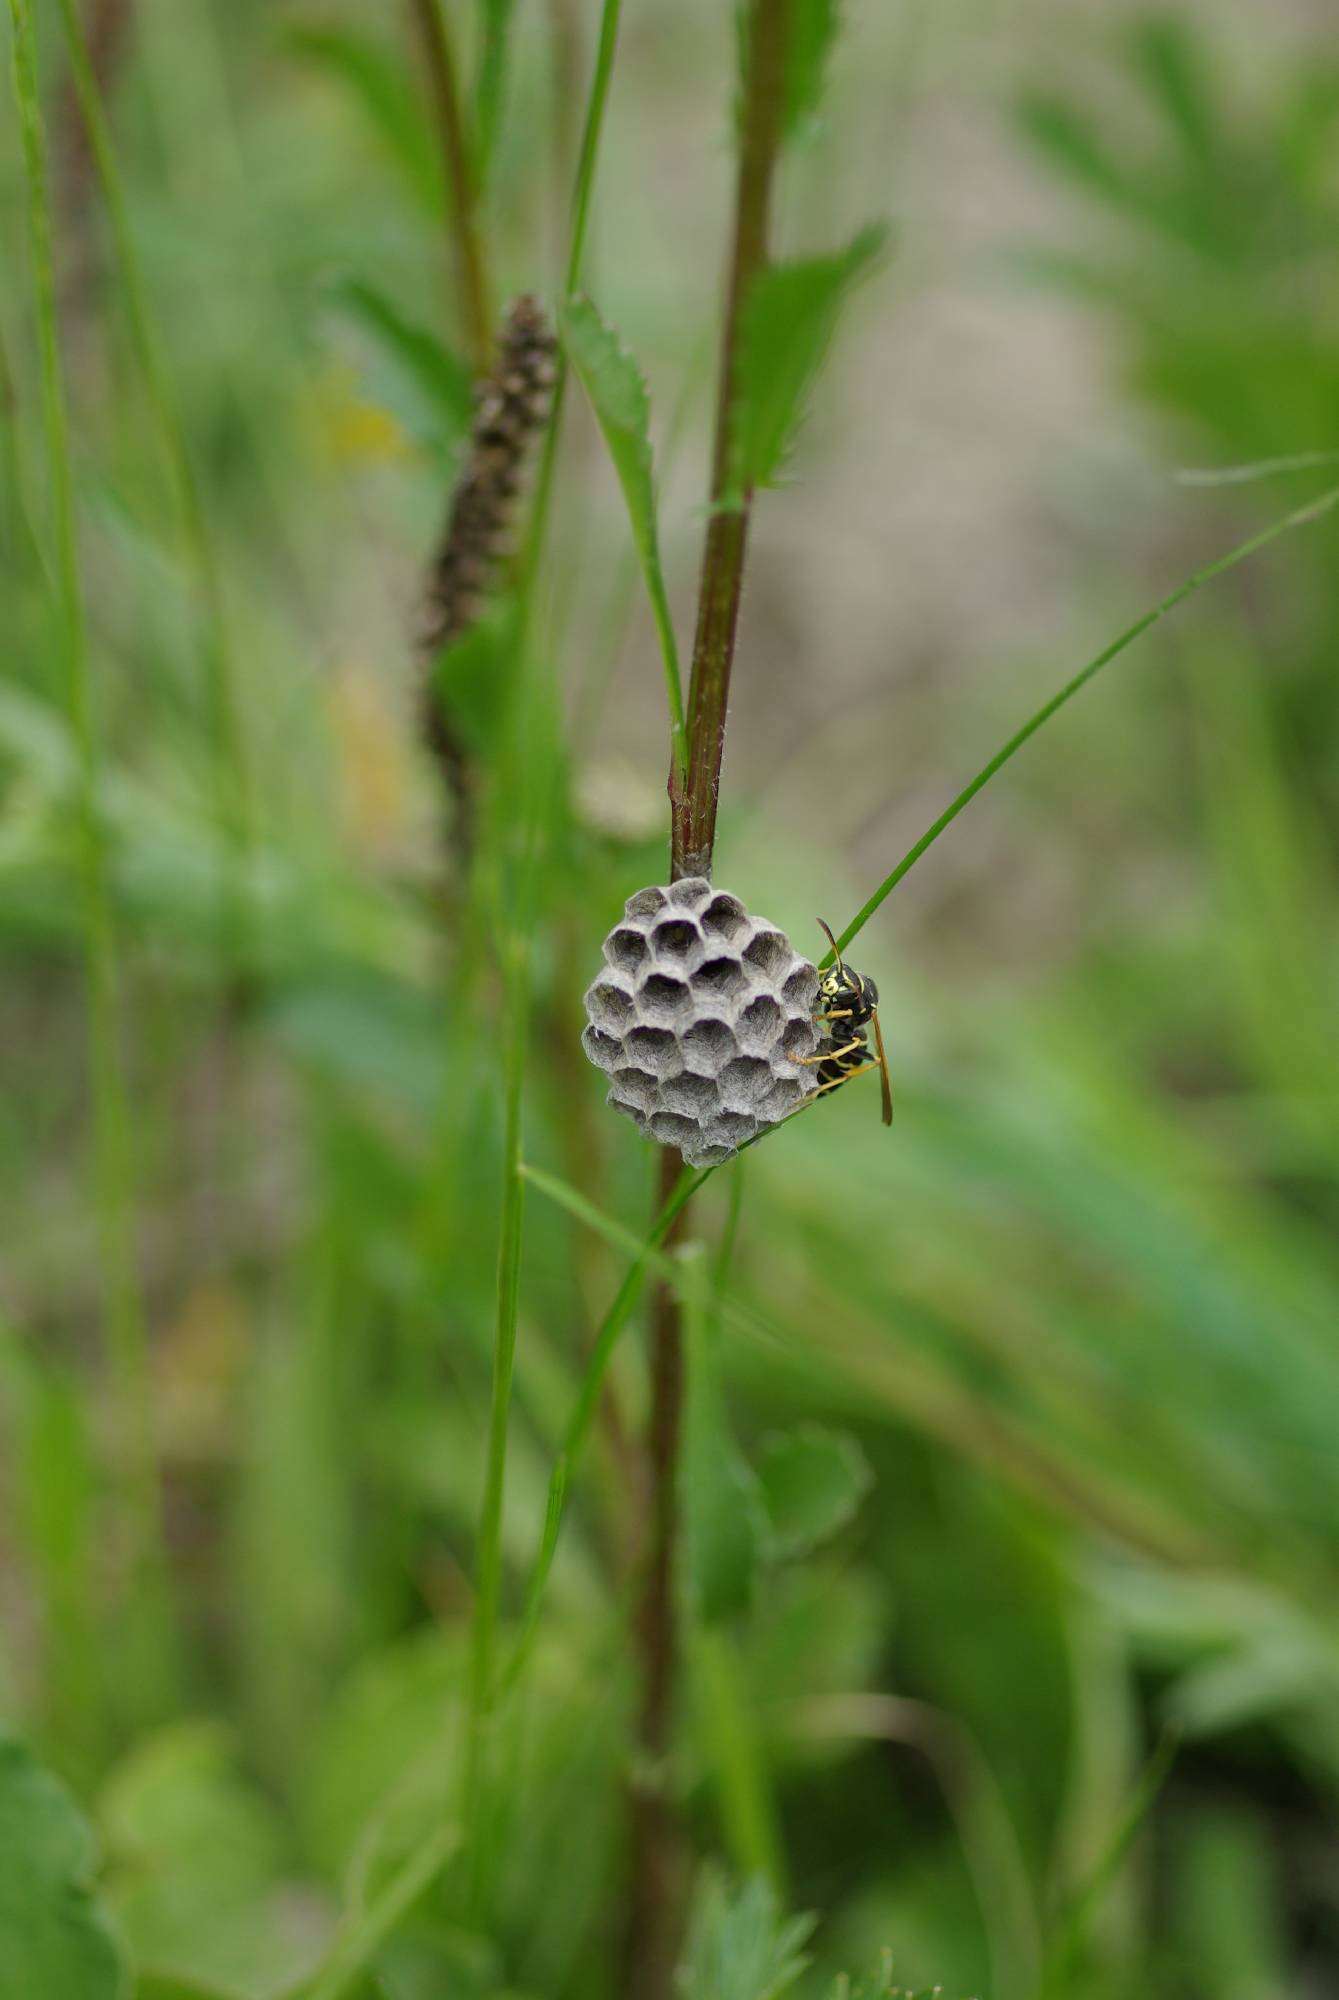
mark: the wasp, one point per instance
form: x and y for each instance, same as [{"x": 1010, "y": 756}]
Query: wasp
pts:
[{"x": 848, "y": 1006}]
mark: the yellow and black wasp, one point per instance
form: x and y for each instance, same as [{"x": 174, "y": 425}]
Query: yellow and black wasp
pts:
[{"x": 848, "y": 1004}]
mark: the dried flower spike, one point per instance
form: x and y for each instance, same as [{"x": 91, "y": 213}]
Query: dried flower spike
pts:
[
  {"x": 511, "y": 408},
  {"x": 698, "y": 1020}
]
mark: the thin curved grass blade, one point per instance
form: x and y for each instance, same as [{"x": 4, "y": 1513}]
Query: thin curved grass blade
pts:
[{"x": 1300, "y": 517}]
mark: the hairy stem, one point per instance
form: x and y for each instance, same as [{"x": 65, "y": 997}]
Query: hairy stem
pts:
[
  {"x": 693, "y": 805},
  {"x": 462, "y": 185}
]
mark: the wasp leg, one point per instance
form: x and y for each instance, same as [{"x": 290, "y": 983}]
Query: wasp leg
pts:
[
  {"x": 838, "y": 1081},
  {"x": 812, "y": 1097},
  {"x": 830, "y": 1055}
]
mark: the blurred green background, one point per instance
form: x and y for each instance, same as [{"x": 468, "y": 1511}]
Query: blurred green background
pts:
[{"x": 1077, "y": 1314}]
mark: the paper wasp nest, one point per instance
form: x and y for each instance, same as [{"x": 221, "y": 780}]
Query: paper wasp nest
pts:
[{"x": 697, "y": 1019}]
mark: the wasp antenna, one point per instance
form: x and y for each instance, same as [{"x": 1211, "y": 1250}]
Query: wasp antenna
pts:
[{"x": 836, "y": 948}]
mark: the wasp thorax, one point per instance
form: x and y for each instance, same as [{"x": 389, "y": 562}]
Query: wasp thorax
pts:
[{"x": 699, "y": 1020}]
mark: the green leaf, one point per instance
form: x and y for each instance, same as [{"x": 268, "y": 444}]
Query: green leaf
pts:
[
  {"x": 380, "y": 84},
  {"x": 789, "y": 318},
  {"x": 408, "y": 371},
  {"x": 472, "y": 675},
  {"x": 741, "y": 1947},
  {"x": 55, "y": 1938},
  {"x": 1070, "y": 143},
  {"x": 813, "y": 1480},
  {"x": 724, "y": 1527},
  {"x": 616, "y": 387},
  {"x": 195, "y": 1854},
  {"x": 811, "y": 30},
  {"x": 1172, "y": 59}
]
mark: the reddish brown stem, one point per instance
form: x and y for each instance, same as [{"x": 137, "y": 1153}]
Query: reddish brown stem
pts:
[
  {"x": 652, "y": 1937},
  {"x": 693, "y": 807}
]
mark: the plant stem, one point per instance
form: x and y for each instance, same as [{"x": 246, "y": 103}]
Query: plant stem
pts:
[
  {"x": 462, "y": 182},
  {"x": 693, "y": 807},
  {"x": 650, "y": 1940},
  {"x": 488, "y": 1561},
  {"x": 582, "y": 189},
  {"x": 127, "y": 1334},
  {"x": 483, "y": 1690},
  {"x": 592, "y": 1382}
]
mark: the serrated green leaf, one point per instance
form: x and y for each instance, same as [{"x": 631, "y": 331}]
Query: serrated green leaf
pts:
[
  {"x": 614, "y": 383},
  {"x": 55, "y": 1938},
  {"x": 789, "y": 318},
  {"x": 409, "y": 371},
  {"x": 812, "y": 1480},
  {"x": 811, "y": 30},
  {"x": 724, "y": 1527},
  {"x": 741, "y": 1947}
]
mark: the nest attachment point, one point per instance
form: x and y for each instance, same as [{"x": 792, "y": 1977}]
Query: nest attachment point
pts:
[{"x": 698, "y": 1018}]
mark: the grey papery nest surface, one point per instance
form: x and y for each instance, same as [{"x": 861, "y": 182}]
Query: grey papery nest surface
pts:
[{"x": 697, "y": 1020}]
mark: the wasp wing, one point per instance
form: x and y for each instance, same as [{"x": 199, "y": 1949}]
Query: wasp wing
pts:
[{"x": 884, "y": 1077}]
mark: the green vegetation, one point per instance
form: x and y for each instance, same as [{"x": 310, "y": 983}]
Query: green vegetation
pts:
[{"x": 446, "y": 1550}]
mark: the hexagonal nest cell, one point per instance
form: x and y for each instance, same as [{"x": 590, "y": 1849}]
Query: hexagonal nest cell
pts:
[{"x": 698, "y": 1018}]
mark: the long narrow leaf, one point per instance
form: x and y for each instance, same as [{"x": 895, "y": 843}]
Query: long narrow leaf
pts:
[
  {"x": 614, "y": 383},
  {"x": 789, "y": 318}
]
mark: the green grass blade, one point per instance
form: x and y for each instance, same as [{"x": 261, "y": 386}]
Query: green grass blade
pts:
[
  {"x": 488, "y": 1560},
  {"x": 233, "y": 801},
  {"x": 1314, "y": 510},
  {"x": 617, "y": 390},
  {"x": 491, "y": 82},
  {"x": 582, "y": 191},
  {"x": 355, "y": 1948},
  {"x": 591, "y": 133},
  {"x": 127, "y": 1336},
  {"x": 597, "y": 1367},
  {"x": 483, "y": 1688},
  {"x": 1061, "y": 1959},
  {"x": 1260, "y": 468}
]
